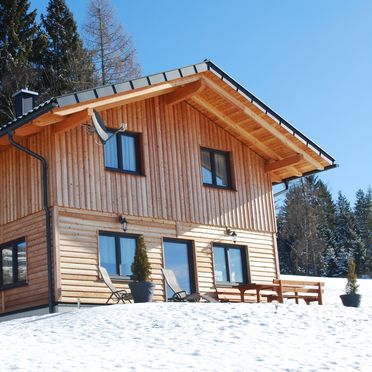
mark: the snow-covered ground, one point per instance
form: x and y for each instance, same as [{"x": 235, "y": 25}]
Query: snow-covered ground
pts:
[{"x": 196, "y": 336}]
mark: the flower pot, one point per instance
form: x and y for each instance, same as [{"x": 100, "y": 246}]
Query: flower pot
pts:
[
  {"x": 352, "y": 299},
  {"x": 142, "y": 291}
]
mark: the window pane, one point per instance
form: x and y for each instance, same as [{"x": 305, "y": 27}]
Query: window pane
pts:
[
  {"x": 127, "y": 250},
  {"x": 206, "y": 167},
  {"x": 21, "y": 256},
  {"x": 176, "y": 255},
  {"x": 221, "y": 169},
  {"x": 111, "y": 153},
  {"x": 220, "y": 269},
  {"x": 128, "y": 145},
  {"x": 236, "y": 265},
  {"x": 7, "y": 256},
  {"x": 107, "y": 253}
]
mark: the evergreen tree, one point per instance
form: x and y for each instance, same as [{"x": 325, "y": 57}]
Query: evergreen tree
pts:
[
  {"x": 363, "y": 219},
  {"x": 20, "y": 43},
  {"x": 306, "y": 221},
  {"x": 141, "y": 268},
  {"x": 112, "y": 50},
  {"x": 66, "y": 65},
  {"x": 348, "y": 243}
]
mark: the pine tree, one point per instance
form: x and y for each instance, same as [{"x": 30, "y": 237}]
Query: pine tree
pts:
[
  {"x": 112, "y": 50},
  {"x": 20, "y": 43},
  {"x": 348, "y": 243},
  {"x": 65, "y": 63},
  {"x": 141, "y": 268},
  {"x": 363, "y": 219},
  {"x": 306, "y": 220}
]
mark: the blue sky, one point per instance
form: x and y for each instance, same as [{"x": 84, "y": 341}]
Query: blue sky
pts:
[{"x": 311, "y": 61}]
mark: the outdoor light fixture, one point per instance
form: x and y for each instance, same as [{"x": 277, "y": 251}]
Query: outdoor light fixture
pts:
[
  {"x": 232, "y": 234},
  {"x": 124, "y": 223}
]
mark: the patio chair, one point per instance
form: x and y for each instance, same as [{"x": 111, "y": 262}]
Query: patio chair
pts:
[
  {"x": 179, "y": 294},
  {"x": 116, "y": 295}
]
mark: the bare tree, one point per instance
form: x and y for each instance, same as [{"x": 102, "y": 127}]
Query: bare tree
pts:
[{"x": 112, "y": 50}]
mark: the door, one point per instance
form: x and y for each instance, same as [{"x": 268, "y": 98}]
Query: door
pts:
[{"x": 178, "y": 256}]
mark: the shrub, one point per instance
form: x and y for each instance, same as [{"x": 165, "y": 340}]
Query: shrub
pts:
[
  {"x": 141, "y": 268},
  {"x": 351, "y": 285}
]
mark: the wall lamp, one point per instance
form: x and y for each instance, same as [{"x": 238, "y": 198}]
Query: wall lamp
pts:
[
  {"x": 232, "y": 233},
  {"x": 123, "y": 222}
]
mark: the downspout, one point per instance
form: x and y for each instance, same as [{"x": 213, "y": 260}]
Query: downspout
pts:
[{"x": 47, "y": 216}]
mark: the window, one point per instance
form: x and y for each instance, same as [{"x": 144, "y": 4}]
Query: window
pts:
[
  {"x": 229, "y": 264},
  {"x": 12, "y": 263},
  {"x": 178, "y": 256},
  {"x": 216, "y": 168},
  {"x": 116, "y": 252},
  {"x": 122, "y": 153}
]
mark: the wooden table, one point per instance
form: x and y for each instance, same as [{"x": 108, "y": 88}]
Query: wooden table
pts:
[{"x": 258, "y": 287}]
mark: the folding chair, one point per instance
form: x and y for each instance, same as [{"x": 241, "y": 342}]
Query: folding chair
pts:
[
  {"x": 118, "y": 295},
  {"x": 179, "y": 294}
]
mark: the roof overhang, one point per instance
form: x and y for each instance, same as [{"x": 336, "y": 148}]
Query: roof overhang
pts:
[{"x": 287, "y": 152}]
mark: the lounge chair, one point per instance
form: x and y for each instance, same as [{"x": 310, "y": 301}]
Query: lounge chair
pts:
[
  {"x": 118, "y": 295},
  {"x": 181, "y": 295}
]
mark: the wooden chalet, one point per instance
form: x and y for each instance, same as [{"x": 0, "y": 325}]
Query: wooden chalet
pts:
[{"x": 193, "y": 173}]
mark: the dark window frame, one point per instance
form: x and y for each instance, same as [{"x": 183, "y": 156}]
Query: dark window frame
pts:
[
  {"x": 244, "y": 256},
  {"x": 191, "y": 257},
  {"x": 227, "y": 156},
  {"x": 117, "y": 237},
  {"x": 138, "y": 152},
  {"x": 13, "y": 245}
]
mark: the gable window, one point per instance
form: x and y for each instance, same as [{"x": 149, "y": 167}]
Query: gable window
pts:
[
  {"x": 122, "y": 153},
  {"x": 229, "y": 264},
  {"x": 216, "y": 170},
  {"x": 116, "y": 253},
  {"x": 12, "y": 263}
]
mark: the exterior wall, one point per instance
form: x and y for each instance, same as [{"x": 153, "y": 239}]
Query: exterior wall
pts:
[
  {"x": 171, "y": 188},
  {"x": 35, "y": 291},
  {"x": 21, "y": 178},
  {"x": 78, "y": 233}
]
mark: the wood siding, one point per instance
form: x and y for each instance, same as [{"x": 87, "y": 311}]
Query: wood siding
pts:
[
  {"x": 35, "y": 292},
  {"x": 21, "y": 178},
  {"x": 171, "y": 188},
  {"x": 79, "y": 253}
]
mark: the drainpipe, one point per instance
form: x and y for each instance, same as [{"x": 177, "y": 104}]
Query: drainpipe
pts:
[
  {"x": 47, "y": 216},
  {"x": 286, "y": 186}
]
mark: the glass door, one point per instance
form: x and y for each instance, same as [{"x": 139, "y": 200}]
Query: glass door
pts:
[{"x": 178, "y": 256}]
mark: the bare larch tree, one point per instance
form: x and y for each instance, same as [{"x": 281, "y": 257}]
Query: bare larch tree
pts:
[{"x": 112, "y": 49}]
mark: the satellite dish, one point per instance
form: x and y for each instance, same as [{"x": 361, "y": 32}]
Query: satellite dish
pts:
[{"x": 100, "y": 128}]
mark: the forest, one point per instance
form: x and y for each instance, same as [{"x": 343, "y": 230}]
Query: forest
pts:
[{"x": 318, "y": 235}]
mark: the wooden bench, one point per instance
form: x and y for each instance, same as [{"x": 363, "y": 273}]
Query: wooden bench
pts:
[
  {"x": 228, "y": 294},
  {"x": 297, "y": 290}
]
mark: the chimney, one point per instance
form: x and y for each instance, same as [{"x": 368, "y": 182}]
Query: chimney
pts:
[{"x": 24, "y": 101}]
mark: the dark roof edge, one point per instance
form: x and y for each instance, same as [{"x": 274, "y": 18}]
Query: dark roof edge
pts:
[
  {"x": 27, "y": 117},
  {"x": 307, "y": 174},
  {"x": 282, "y": 122}
]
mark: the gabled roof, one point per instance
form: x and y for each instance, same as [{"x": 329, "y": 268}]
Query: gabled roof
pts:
[{"x": 287, "y": 151}]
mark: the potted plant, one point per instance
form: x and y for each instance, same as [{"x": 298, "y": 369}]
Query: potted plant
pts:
[
  {"x": 351, "y": 298},
  {"x": 141, "y": 287}
]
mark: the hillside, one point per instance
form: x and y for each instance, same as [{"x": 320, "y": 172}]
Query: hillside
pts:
[{"x": 195, "y": 336}]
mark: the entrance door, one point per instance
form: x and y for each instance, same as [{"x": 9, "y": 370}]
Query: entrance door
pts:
[{"x": 178, "y": 256}]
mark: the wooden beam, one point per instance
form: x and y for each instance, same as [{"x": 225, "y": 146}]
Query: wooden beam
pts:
[
  {"x": 237, "y": 129},
  {"x": 73, "y": 121},
  {"x": 184, "y": 92},
  {"x": 280, "y": 136},
  {"x": 27, "y": 130},
  {"x": 127, "y": 97},
  {"x": 47, "y": 119},
  {"x": 284, "y": 163}
]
